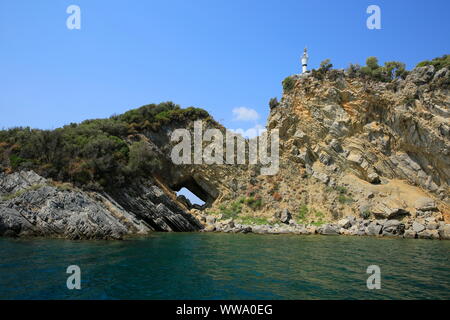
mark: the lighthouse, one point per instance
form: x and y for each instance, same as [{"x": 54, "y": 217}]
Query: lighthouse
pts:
[{"x": 305, "y": 58}]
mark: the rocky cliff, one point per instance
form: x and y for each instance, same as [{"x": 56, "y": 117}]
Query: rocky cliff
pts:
[
  {"x": 357, "y": 156},
  {"x": 34, "y": 206},
  {"x": 354, "y": 148}
]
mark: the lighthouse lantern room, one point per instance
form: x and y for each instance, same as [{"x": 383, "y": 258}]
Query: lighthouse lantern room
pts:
[{"x": 305, "y": 58}]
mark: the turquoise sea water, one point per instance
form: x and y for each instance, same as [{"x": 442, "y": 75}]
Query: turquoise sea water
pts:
[{"x": 225, "y": 266}]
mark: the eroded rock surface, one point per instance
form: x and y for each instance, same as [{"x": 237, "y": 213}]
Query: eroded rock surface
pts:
[
  {"x": 357, "y": 157},
  {"x": 33, "y": 206},
  {"x": 355, "y": 147}
]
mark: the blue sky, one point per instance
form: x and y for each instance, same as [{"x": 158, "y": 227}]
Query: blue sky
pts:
[{"x": 216, "y": 54}]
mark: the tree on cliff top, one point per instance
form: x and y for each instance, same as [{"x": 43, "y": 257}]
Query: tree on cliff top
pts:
[
  {"x": 372, "y": 70},
  {"x": 438, "y": 63},
  {"x": 95, "y": 153},
  {"x": 325, "y": 65}
]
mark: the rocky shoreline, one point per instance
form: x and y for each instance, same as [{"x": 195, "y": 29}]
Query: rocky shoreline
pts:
[
  {"x": 426, "y": 228},
  {"x": 32, "y": 206}
]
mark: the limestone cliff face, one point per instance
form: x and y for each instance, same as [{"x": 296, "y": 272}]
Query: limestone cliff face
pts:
[
  {"x": 348, "y": 147},
  {"x": 31, "y": 205},
  {"x": 397, "y": 130},
  {"x": 351, "y": 146}
]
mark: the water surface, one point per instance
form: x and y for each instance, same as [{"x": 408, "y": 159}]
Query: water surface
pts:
[{"x": 225, "y": 266}]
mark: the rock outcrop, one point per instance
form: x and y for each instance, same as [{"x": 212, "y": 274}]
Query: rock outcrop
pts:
[
  {"x": 354, "y": 146},
  {"x": 33, "y": 206},
  {"x": 352, "y": 227},
  {"x": 357, "y": 157}
]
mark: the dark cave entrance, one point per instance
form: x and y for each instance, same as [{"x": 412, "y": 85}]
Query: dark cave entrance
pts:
[
  {"x": 189, "y": 195},
  {"x": 202, "y": 195}
]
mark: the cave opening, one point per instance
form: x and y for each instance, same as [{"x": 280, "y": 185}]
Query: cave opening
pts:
[
  {"x": 189, "y": 195},
  {"x": 194, "y": 194}
]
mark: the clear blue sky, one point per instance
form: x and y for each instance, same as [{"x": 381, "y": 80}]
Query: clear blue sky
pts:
[{"x": 214, "y": 54}]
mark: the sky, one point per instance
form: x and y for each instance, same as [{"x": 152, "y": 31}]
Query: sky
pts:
[{"x": 226, "y": 56}]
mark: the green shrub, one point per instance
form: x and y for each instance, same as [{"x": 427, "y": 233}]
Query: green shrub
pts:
[
  {"x": 391, "y": 70},
  {"x": 142, "y": 159},
  {"x": 253, "y": 203},
  {"x": 372, "y": 63},
  {"x": 95, "y": 152},
  {"x": 438, "y": 63},
  {"x": 273, "y": 103},
  {"x": 341, "y": 190},
  {"x": 354, "y": 70},
  {"x": 288, "y": 84},
  {"x": 344, "y": 199},
  {"x": 395, "y": 69},
  {"x": 304, "y": 211},
  {"x": 325, "y": 66},
  {"x": 232, "y": 210},
  {"x": 319, "y": 214},
  {"x": 365, "y": 214},
  {"x": 16, "y": 161}
]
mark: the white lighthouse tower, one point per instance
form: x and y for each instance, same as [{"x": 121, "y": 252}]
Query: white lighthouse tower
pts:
[{"x": 305, "y": 58}]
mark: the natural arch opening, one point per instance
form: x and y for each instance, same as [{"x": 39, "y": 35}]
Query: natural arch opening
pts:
[
  {"x": 189, "y": 198},
  {"x": 202, "y": 195}
]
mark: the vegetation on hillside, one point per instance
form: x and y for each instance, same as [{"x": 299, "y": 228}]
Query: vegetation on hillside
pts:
[
  {"x": 438, "y": 63},
  {"x": 273, "y": 103},
  {"x": 391, "y": 70},
  {"x": 95, "y": 153},
  {"x": 372, "y": 70},
  {"x": 288, "y": 84}
]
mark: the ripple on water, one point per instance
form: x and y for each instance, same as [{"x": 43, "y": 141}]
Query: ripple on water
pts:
[{"x": 226, "y": 266}]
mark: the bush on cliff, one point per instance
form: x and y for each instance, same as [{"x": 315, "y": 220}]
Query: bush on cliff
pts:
[
  {"x": 93, "y": 154},
  {"x": 325, "y": 65},
  {"x": 324, "y": 69},
  {"x": 288, "y": 84},
  {"x": 353, "y": 70},
  {"x": 273, "y": 103},
  {"x": 438, "y": 63},
  {"x": 372, "y": 70},
  {"x": 142, "y": 159}
]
